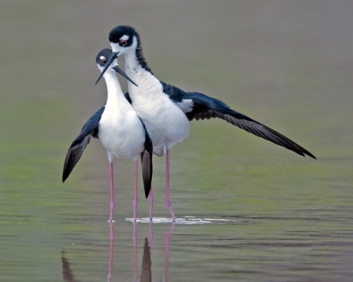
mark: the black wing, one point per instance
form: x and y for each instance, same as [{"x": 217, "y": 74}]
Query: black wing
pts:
[
  {"x": 146, "y": 162},
  {"x": 175, "y": 94},
  {"x": 90, "y": 129},
  {"x": 205, "y": 107}
]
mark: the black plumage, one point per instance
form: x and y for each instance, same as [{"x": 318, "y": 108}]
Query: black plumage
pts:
[
  {"x": 75, "y": 151},
  {"x": 205, "y": 107}
]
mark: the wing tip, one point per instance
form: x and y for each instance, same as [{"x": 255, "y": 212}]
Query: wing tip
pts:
[
  {"x": 64, "y": 176},
  {"x": 74, "y": 154},
  {"x": 307, "y": 153},
  {"x": 67, "y": 169}
]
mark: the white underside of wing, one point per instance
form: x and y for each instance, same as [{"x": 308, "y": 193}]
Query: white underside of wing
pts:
[{"x": 186, "y": 105}]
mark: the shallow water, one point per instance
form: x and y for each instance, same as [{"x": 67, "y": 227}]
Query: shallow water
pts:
[{"x": 247, "y": 210}]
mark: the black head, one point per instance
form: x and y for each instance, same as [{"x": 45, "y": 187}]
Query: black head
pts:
[
  {"x": 103, "y": 56},
  {"x": 123, "y": 35},
  {"x": 104, "y": 59},
  {"x": 124, "y": 40}
]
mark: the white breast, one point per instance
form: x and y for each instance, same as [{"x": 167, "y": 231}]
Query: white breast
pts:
[{"x": 165, "y": 122}]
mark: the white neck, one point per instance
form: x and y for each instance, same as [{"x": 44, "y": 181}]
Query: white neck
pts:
[
  {"x": 115, "y": 94},
  {"x": 131, "y": 63},
  {"x": 132, "y": 66}
]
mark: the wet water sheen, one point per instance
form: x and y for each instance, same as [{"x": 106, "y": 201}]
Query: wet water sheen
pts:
[{"x": 247, "y": 210}]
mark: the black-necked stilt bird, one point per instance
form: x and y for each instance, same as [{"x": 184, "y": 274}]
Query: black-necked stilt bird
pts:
[
  {"x": 120, "y": 130},
  {"x": 167, "y": 110}
]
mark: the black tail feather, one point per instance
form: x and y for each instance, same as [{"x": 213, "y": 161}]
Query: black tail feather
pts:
[{"x": 146, "y": 162}]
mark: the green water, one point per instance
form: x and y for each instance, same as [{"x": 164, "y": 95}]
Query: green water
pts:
[{"x": 288, "y": 64}]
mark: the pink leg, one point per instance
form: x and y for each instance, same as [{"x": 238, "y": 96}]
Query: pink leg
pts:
[
  {"x": 151, "y": 198},
  {"x": 112, "y": 200},
  {"x": 167, "y": 187},
  {"x": 135, "y": 202}
]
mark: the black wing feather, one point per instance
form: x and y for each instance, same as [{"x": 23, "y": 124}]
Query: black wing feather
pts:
[
  {"x": 206, "y": 107},
  {"x": 128, "y": 98},
  {"x": 174, "y": 93},
  {"x": 74, "y": 153},
  {"x": 146, "y": 162}
]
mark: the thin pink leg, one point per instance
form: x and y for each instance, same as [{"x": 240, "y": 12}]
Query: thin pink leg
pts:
[
  {"x": 167, "y": 187},
  {"x": 112, "y": 200},
  {"x": 111, "y": 252},
  {"x": 151, "y": 198},
  {"x": 166, "y": 255},
  {"x": 135, "y": 202}
]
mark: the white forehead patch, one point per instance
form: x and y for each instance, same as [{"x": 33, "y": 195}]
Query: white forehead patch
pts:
[
  {"x": 125, "y": 37},
  {"x": 102, "y": 58}
]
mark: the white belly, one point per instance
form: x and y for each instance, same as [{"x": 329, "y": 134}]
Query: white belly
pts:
[{"x": 121, "y": 134}]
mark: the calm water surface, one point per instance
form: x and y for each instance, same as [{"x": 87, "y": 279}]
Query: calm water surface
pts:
[{"x": 247, "y": 210}]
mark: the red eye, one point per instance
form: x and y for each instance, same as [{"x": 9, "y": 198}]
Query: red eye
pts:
[
  {"x": 103, "y": 59},
  {"x": 122, "y": 42}
]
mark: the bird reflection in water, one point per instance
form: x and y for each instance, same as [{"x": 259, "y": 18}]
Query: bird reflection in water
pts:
[
  {"x": 146, "y": 272},
  {"x": 67, "y": 272},
  {"x": 146, "y": 269}
]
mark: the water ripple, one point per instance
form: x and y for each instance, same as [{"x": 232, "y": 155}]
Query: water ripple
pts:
[{"x": 190, "y": 220}]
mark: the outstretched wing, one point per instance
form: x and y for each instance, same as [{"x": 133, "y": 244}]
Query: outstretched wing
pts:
[
  {"x": 200, "y": 106},
  {"x": 146, "y": 162},
  {"x": 74, "y": 153},
  {"x": 205, "y": 107}
]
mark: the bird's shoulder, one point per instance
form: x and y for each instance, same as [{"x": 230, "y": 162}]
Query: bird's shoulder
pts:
[
  {"x": 91, "y": 125},
  {"x": 174, "y": 93}
]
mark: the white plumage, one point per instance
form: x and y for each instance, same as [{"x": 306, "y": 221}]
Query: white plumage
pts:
[
  {"x": 165, "y": 122},
  {"x": 120, "y": 129}
]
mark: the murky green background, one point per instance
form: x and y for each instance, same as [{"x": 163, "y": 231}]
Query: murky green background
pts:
[{"x": 288, "y": 64}]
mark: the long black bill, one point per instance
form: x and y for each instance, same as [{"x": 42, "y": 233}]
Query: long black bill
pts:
[{"x": 112, "y": 57}]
